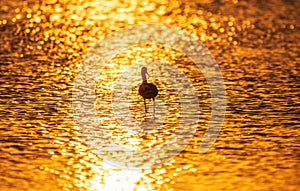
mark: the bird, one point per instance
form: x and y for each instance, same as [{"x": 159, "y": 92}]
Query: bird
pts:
[{"x": 147, "y": 90}]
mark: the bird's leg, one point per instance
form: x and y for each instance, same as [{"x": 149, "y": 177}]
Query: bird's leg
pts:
[
  {"x": 145, "y": 105},
  {"x": 153, "y": 108}
]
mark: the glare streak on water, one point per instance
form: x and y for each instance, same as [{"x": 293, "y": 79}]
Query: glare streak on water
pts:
[{"x": 255, "y": 43}]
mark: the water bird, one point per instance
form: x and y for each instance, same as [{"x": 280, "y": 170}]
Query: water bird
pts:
[{"x": 147, "y": 90}]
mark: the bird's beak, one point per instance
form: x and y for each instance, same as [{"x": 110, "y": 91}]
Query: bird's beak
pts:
[{"x": 147, "y": 74}]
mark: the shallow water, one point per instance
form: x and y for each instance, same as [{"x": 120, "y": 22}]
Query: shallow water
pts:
[{"x": 255, "y": 43}]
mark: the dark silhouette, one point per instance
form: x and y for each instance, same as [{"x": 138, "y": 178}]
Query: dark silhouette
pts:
[{"x": 147, "y": 90}]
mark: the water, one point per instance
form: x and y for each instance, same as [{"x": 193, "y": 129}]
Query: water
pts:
[{"x": 256, "y": 45}]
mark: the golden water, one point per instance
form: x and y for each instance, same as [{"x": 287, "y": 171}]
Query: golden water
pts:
[{"x": 255, "y": 43}]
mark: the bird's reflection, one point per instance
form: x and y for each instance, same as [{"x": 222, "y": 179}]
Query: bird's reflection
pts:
[{"x": 152, "y": 122}]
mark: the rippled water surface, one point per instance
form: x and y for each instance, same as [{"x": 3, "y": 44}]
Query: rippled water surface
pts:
[{"x": 255, "y": 43}]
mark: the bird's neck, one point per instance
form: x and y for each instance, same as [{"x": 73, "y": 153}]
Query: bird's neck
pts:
[{"x": 144, "y": 78}]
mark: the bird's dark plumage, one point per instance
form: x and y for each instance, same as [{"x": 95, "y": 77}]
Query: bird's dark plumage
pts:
[{"x": 148, "y": 90}]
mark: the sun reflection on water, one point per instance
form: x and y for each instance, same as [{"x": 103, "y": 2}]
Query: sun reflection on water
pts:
[
  {"x": 255, "y": 43},
  {"x": 117, "y": 180}
]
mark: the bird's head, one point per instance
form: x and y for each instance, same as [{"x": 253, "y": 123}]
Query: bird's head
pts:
[{"x": 144, "y": 70}]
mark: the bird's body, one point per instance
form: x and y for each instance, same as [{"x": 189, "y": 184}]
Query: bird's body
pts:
[{"x": 147, "y": 90}]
